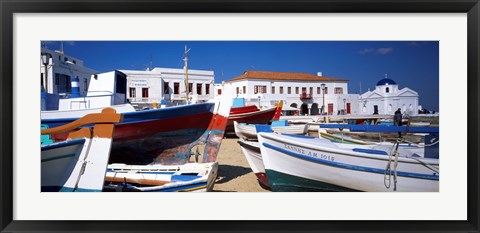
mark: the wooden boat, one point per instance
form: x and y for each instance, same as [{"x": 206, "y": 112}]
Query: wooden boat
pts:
[
  {"x": 189, "y": 177},
  {"x": 301, "y": 163},
  {"x": 265, "y": 116},
  {"x": 244, "y": 109},
  {"x": 251, "y": 151},
  {"x": 78, "y": 164},
  {"x": 165, "y": 136},
  {"x": 249, "y": 132}
]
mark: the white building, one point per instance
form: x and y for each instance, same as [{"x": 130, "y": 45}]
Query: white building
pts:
[
  {"x": 302, "y": 91},
  {"x": 153, "y": 86},
  {"x": 60, "y": 69},
  {"x": 105, "y": 89},
  {"x": 387, "y": 98}
]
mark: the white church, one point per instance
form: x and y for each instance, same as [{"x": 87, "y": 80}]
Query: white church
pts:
[{"x": 387, "y": 98}]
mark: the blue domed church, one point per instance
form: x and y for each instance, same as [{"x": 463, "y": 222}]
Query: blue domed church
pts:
[{"x": 387, "y": 98}]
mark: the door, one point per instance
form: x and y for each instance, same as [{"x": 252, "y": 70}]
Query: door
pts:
[
  {"x": 304, "y": 109},
  {"x": 330, "y": 109},
  {"x": 348, "y": 108},
  {"x": 314, "y": 109},
  {"x": 375, "y": 109}
]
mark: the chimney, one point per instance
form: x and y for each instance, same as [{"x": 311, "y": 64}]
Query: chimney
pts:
[{"x": 319, "y": 74}]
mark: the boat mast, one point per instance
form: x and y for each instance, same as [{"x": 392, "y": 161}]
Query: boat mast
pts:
[{"x": 187, "y": 86}]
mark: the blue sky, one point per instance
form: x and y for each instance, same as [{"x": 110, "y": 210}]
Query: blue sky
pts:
[{"x": 413, "y": 64}]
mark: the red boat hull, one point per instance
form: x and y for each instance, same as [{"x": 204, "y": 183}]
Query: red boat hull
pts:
[
  {"x": 255, "y": 117},
  {"x": 246, "y": 109}
]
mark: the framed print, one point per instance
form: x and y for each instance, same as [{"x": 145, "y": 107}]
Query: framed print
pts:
[{"x": 278, "y": 41}]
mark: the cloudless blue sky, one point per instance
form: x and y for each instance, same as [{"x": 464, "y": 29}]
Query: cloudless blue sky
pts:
[{"x": 411, "y": 64}]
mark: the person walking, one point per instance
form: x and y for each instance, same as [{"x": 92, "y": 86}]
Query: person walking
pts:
[{"x": 397, "y": 120}]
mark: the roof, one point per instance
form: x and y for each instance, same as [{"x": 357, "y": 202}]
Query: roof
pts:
[
  {"x": 386, "y": 81},
  {"x": 291, "y": 76}
]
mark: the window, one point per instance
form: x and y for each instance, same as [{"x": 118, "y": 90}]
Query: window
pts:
[
  {"x": 296, "y": 90},
  {"x": 259, "y": 89},
  {"x": 281, "y": 90},
  {"x": 199, "y": 88},
  {"x": 244, "y": 90},
  {"x": 190, "y": 88},
  {"x": 273, "y": 90},
  {"x": 318, "y": 90},
  {"x": 325, "y": 91},
  {"x": 85, "y": 84},
  {"x": 387, "y": 90},
  {"x": 166, "y": 88},
  {"x": 238, "y": 90},
  {"x": 207, "y": 89},
  {"x": 311, "y": 90},
  {"x": 304, "y": 90},
  {"x": 65, "y": 59},
  {"x": 289, "y": 90},
  {"x": 338, "y": 90},
  {"x": 219, "y": 91},
  {"x": 64, "y": 85},
  {"x": 120, "y": 83},
  {"x": 145, "y": 92},
  {"x": 176, "y": 88},
  {"x": 132, "y": 92}
]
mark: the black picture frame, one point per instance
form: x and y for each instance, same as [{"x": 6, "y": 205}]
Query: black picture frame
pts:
[{"x": 10, "y": 7}]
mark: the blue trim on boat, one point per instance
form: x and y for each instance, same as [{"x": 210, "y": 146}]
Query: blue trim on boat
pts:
[
  {"x": 183, "y": 178},
  {"x": 143, "y": 171},
  {"x": 263, "y": 128},
  {"x": 148, "y": 115},
  {"x": 166, "y": 113},
  {"x": 383, "y": 128},
  {"x": 185, "y": 187},
  {"x": 350, "y": 166},
  {"x": 370, "y": 151},
  {"x": 181, "y": 188},
  {"x": 63, "y": 144},
  {"x": 299, "y": 136}
]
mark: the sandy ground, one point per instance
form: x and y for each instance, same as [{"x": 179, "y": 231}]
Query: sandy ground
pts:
[{"x": 234, "y": 173}]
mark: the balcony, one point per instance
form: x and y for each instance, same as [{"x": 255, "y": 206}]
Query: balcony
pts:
[{"x": 305, "y": 96}]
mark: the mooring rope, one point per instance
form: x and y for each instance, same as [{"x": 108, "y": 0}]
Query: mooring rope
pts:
[
  {"x": 418, "y": 145},
  {"x": 388, "y": 169}
]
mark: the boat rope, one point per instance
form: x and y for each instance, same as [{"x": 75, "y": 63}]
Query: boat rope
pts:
[
  {"x": 420, "y": 146},
  {"x": 429, "y": 166},
  {"x": 393, "y": 155}
]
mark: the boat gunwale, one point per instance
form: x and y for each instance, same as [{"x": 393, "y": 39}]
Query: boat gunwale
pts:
[
  {"x": 431, "y": 161},
  {"x": 234, "y": 116}
]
